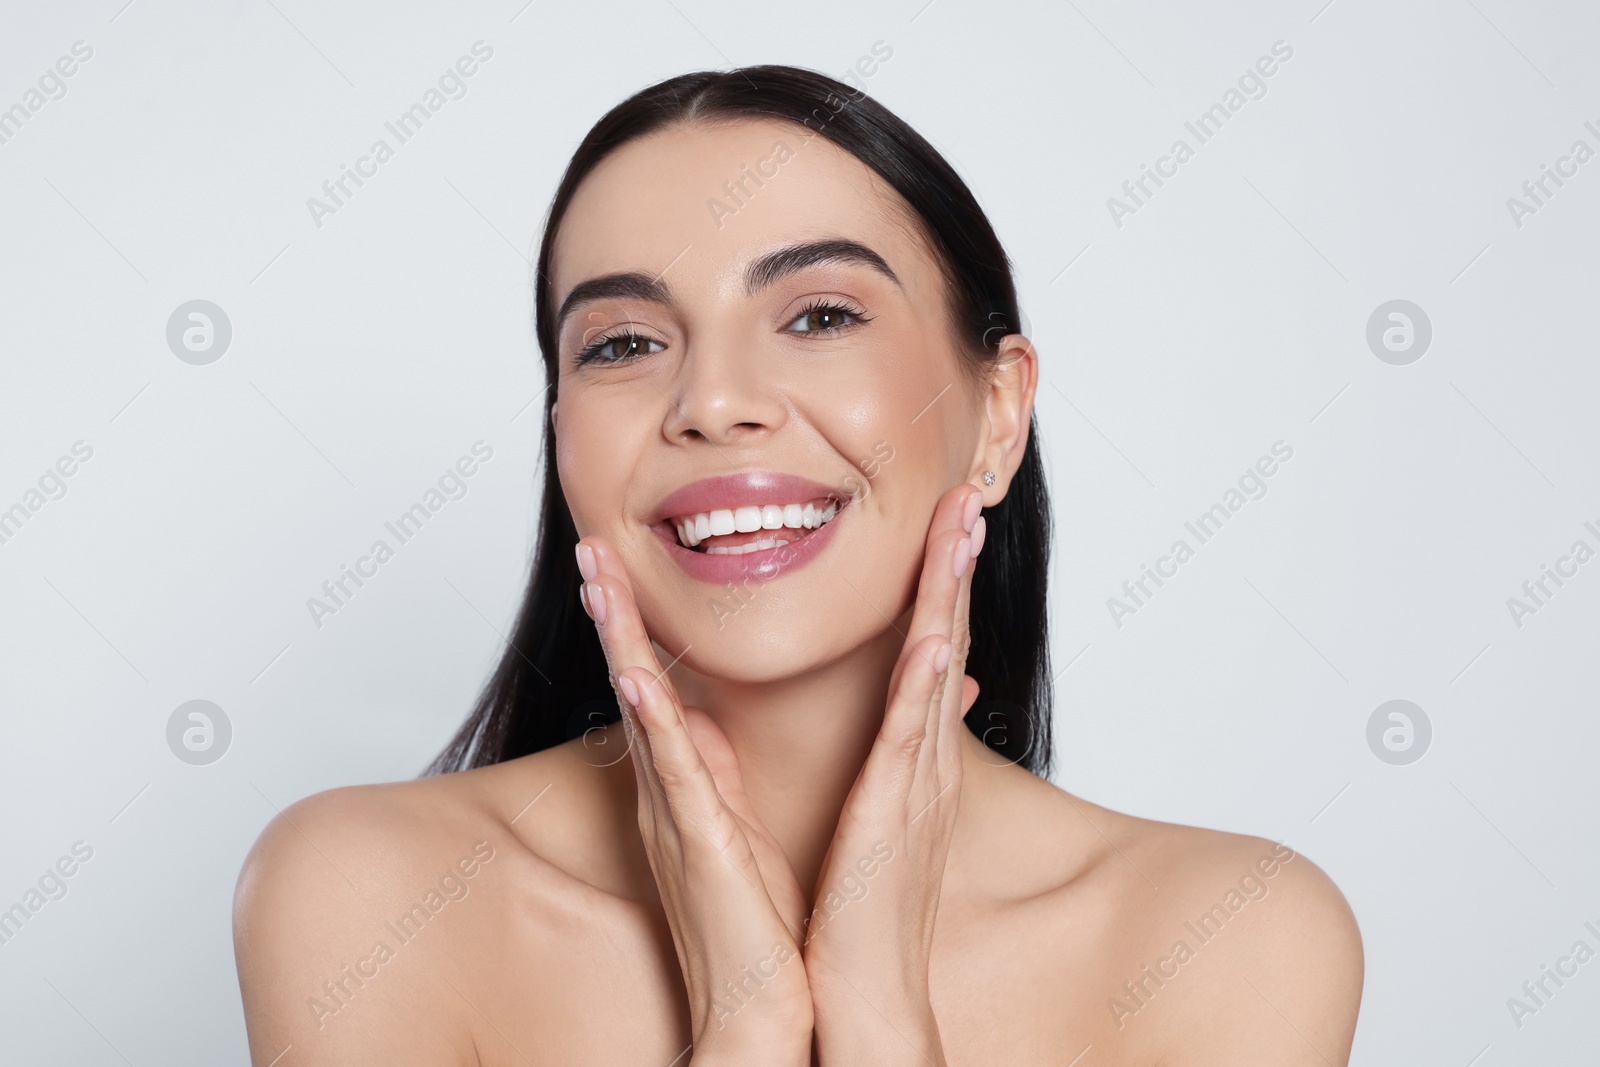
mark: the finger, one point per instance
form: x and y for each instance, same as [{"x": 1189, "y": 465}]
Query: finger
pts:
[
  {"x": 905, "y": 721},
  {"x": 694, "y": 807},
  {"x": 645, "y": 788},
  {"x": 773, "y": 864},
  {"x": 663, "y": 837},
  {"x": 610, "y": 602},
  {"x": 951, "y": 708},
  {"x": 606, "y": 596},
  {"x": 718, "y": 756},
  {"x": 948, "y": 542},
  {"x": 940, "y": 606},
  {"x": 685, "y": 780},
  {"x": 891, "y": 782}
]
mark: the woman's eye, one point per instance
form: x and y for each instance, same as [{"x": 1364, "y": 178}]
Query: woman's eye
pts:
[
  {"x": 618, "y": 349},
  {"x": 824, "y": 317}
]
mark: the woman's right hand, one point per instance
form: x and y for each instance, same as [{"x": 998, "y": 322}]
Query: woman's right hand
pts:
[{"x": 731, "y": 899}]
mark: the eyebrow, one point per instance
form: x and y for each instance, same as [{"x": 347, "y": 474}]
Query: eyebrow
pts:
[{"x": 761, "y": 273}]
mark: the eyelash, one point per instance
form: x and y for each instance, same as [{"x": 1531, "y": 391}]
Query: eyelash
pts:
[{"x": 590, "y": 354}]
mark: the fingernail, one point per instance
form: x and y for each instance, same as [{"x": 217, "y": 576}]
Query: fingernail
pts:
[
  {"x": 978, "y": 532},
  {"x": 597, "y": 603},
  {"x": 941, "y": 658},
  {"x": 630, "y": 692},
  {"x": 963, "y": 556},
  {"x": 586, "y": 562},
  {"x": 969, "y": 515},
  {"x": 583, "y": 599}
]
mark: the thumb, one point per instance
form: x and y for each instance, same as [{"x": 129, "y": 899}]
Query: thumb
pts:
[{"x": 717, "y": 754}]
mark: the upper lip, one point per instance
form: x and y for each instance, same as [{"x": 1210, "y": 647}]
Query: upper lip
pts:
[{"x": 741, "y": 490}]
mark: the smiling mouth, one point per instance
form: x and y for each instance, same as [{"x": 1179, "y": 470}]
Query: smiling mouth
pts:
[{"x": 753, "y": 527}]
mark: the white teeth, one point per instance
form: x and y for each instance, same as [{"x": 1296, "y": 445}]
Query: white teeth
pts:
[
  {"x": 693, "y": 529},
  {"x": 758, "y": 545}
]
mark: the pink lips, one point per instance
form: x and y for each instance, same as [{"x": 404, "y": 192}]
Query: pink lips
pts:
[{"x": 739, "y": 490}]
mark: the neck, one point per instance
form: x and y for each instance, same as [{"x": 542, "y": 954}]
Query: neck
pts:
[{"x": 801, "y": 741}]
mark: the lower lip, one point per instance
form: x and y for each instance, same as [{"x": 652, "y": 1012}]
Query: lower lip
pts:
[{"x": 762, "y": 566}]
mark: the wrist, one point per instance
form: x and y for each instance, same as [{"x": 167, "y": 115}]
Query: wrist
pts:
[
  {"x": 762, "y": 1017},
  {"x": 859, "y": 1027},
  {"x": 780, "y": 1051},
  {"x": 754, "y": 1043}
]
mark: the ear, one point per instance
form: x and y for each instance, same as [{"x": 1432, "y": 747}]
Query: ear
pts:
[
  {"x": 553, "y": 406},
  {"x": 1009, "y": 407}
]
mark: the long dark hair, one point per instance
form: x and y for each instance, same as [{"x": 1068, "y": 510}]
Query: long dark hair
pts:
[{"x": 551, "y": 685}]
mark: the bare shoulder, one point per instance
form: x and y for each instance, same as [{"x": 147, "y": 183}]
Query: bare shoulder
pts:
[
  {"x": 314, "y": 918},
  {"x": 1229, "y": 948},
  {"x": 350, "y": 918},
  {"x": 1290, "y": 971}
]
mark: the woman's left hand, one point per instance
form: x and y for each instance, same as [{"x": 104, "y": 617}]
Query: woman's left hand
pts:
[{"x": 871, "y": 929}]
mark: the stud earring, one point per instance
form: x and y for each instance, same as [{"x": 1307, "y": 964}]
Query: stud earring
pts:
[{"x": 988, "y": 477}]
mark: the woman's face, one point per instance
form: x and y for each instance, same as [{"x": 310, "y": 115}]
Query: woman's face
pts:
[{"x": 716, "y": 357}]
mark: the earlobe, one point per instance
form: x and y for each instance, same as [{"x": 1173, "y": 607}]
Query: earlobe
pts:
[{"x": 1009, "y": 405}]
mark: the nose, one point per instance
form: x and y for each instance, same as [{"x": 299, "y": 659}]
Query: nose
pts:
[{"x": 722, "y": 393}]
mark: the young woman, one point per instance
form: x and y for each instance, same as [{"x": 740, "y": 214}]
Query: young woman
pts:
[{"x": 795, "y": 528}]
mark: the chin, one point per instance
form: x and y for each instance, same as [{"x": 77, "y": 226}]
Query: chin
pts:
[{"x": 762, "y": 632}]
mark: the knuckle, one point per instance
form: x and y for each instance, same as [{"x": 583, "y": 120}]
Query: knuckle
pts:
[
  {"x": 671, "y": 778},
  {"x": 719, "y": 829},
  {"x": 904, "y": 743}
]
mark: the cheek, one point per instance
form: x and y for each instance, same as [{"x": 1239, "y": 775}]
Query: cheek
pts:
[
  {"x": 593, "y": 459},
  {"x": 898, "y": 420},
  {"x": 880, "y": 400}
]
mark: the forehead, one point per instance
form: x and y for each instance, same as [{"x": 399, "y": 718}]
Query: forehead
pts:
[{"x": 707, "y": 199}]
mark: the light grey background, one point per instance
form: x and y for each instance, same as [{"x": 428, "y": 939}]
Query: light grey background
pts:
[{"x": 1229, "y": 312}]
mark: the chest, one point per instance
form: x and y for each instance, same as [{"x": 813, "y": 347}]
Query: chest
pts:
[{"x": 599, "y": 983}]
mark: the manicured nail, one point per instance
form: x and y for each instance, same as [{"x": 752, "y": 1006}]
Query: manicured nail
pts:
[
  {"x": 597, "y": 603},
  {"x": 630, "y": 692},
  {"x": 586, "y": 562},
  {"x": 941, "y": 658},
  {"x": 969, "y": 515},
  {"x": 978, "y": 532},
  {"x": 963, "y": 556}
]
